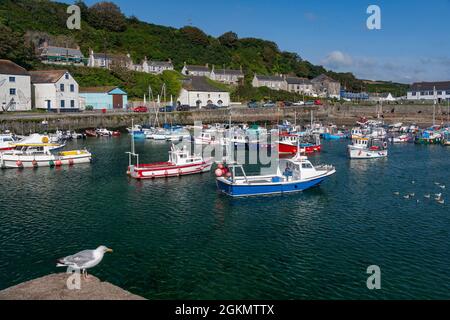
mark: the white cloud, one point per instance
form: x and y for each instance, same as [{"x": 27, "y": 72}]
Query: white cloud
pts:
[
  {"x": 337, "y": 60},
  {"x": 390, "y": 68}
]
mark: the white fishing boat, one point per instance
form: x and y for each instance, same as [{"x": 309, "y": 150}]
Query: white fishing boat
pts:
[
  {"x": 40, "y": 155},
  {"x": 208, "y": 138},
  {"x": 368, "y": 148}
]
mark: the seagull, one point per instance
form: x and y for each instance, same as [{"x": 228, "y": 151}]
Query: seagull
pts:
[
  {"x": 397, "y": 193},
  {"x": 412, "y": 195},
  {"x": 441, "y": 201},
  {"x": 413, "y": 182},
  {"x": 428, "y": 196},
  {"x": 407, "y": 196},
  {"x": 439, "y": 195},
  {"x": 442, "y": 187},
  {"x": 84, "y": 260},
  {"x": 437, "y": 183}
]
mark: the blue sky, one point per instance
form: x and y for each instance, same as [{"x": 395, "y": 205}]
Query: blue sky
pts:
[{"x": 413, "y": 44}]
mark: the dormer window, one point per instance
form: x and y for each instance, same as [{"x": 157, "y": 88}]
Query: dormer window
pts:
[{"x": 67, "y": 76}]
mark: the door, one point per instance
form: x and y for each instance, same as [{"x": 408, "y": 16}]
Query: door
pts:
[
  {"x": 117, "y": 101},
  {"x": 49, "y": 104}
]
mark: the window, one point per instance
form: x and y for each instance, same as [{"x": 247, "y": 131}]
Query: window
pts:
[
  {"x": 72, "y": 88},
  {"x": 12, "y": 79},
  {"x": 439, "y": 93},
  {"x": 67, "y": 76},
  {"x": 61, "y": 87},
  {"x": 12, "y": 92},
  {"x": 414, "y": 94},
  {"x": 447, "y": 92},
  {"x": 431, "y": 93},
  {"x": 63, "y": 104},
  {"x": 72, "y": 103}
]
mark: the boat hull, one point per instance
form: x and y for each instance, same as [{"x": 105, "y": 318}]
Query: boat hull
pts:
[
  {"x": 358, "y": 153},
  {"x": 246, "y": 190},
  {"x": 166, "y": 170},
  {"x": 30, "y": 161},
  {"x": 285, "y": 148}
]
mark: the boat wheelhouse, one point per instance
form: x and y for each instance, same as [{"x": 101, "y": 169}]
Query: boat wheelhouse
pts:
[
  {"x": 368, "y": 148},
  {"x": 290, "y": 143}
]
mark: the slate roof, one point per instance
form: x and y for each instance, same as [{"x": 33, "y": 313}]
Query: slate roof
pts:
[
  {"x": 9, "y": 67},
  {"x": 269, "y": 78},
  {"x": 200, "y": 84},
  {"x": 229, "y": 72},
  {"x": 166, "y": 64},
  {"x": 429, "y": 86},
  {"x": 60, "y": 51},
  {"x": 323, "y": 78},
  {"x": 297, "y": 80},
  {"x": 47, "y": 76},
  {"x": 198, "y": 68}
]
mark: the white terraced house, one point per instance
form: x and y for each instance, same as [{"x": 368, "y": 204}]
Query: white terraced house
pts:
[
  {"x": 154, "y": 67},
  {"x": 55, "y": 90},
  {"x": 198, "y": 93},
  {"x": 196, "y": 71},
  {"x": 299, "y": 85},
  {"x": 15, "y": 87},
  {"x": 228, "y": 76},
  {"x": 430, "y": 91}
]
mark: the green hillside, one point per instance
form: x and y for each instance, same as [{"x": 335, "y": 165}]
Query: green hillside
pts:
[{"x": 105, "y": 28}]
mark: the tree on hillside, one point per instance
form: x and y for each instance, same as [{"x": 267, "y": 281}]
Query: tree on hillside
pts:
[
  {"x": 14, "y": 47},
  {"x": 195, "y": 35},
  {"x": 107, "y": 15},
  {"x": 229, "y": 39}
]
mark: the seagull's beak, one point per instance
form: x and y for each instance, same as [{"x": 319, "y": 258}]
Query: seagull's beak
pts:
[{"x": 109, "y": 250}]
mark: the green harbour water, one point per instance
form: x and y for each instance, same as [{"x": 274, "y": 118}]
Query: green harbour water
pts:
[{"x": 180, "y": 239}]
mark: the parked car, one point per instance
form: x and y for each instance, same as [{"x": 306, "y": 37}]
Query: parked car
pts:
[
  {"x": 318, "y": 103},
  {"x": 183, "y": 107},
  {"x": 309, "y": 103},
  {"x": 269, "y": 104},
  {"x": 167, "y": 109},
  {"x": 253, "y": 104},
  {"x": 140, "y": 109},
  {"x": 288, "y": 104}
]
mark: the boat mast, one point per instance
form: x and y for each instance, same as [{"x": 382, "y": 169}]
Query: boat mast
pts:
[{"x": 434, "y": 107}]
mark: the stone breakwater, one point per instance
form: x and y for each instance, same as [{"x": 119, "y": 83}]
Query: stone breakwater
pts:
[{"x": 339, "y": 114}]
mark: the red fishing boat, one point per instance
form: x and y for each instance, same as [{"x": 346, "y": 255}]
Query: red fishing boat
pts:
[{"x": 289, "y": 143}]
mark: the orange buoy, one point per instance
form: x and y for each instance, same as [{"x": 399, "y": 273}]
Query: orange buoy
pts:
[
  {"x": 58, "y": 163},
  {"x": 71, "y": 162},
  {"x": 19, "y": 164},
  {"x": 34, "y": 163}
]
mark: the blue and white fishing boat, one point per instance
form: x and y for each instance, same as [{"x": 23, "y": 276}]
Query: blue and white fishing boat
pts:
[{"x": 293, "y": 175}]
